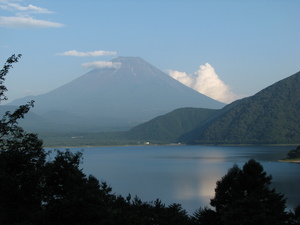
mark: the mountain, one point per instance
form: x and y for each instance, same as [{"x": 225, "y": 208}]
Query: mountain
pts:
[
  {"x": 269, "y": 117},
  {"x": 115, "y": 98},
  {"x": 170, "y": 126}
]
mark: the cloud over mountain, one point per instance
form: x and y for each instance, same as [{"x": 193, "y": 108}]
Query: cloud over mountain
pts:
[
  {"x": 96, "y": 64},
  {"x": 85, "y": 54},
  {"x": 206, "y": 81},
  {"x": 101, "y": 64}
]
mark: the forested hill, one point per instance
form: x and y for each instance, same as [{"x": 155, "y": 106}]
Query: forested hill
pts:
[
  {"x": 170, "y": 126},
  {"x": 271, "y": 116}
]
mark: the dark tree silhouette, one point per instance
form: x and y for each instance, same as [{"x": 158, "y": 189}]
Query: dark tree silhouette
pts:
[
  {"x": 295, "y": 153},
  {"x": 244, "y": 196},
  {"x": 21, "y": 160}
]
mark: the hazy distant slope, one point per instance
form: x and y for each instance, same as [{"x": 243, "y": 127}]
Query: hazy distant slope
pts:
[
  {"x": 30, "y": 116},
  {"x": 126, "y": 96},
  {"x": 269, "y": 117},
  {"x": 169, "y": 126}
]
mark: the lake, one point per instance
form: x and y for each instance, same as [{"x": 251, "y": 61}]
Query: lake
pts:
[{"x": 185, "y": 174}]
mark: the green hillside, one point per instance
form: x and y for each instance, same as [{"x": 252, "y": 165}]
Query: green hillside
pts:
[
  {"x": 170, "y": 126},
  {"x": 272, "y": 116}
]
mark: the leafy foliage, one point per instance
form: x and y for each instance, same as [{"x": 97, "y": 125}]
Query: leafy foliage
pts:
[
  {"x": 21, "y": 162},
  {"x": 4, "y": 71},
  {"x": 295, "y": 216}
]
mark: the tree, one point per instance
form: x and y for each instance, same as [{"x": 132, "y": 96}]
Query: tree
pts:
[
  {"x": 21, "y": 160},
  {"x": 294, "y": 216},
  {"x": 294, "y": 154},
  {"x": 244, "y": 196},
  {"x": 206, "y": 216},
  {"x": 70, "y": 197},
  {"x": 4, "y": 71}
]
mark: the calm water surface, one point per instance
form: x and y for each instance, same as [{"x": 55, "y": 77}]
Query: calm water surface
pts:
[{"x": 185, "y": 174}]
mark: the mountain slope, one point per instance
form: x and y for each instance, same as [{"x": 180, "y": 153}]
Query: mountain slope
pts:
[
  {"x": 170, "y": 126},
  {"x": 269, "y": 117},
  {"x": 128, "y": 95}
]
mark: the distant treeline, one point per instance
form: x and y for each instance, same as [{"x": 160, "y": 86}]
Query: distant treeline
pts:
[{"x": 294, "y": 154}]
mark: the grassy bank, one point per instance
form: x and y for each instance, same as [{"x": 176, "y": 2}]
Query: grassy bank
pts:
[{"x": 297, "y": 160}]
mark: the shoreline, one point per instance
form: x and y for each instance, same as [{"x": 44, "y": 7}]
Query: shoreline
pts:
[
  {"x": 289, "y": 160},
  {"x": 169, "y": 144}
]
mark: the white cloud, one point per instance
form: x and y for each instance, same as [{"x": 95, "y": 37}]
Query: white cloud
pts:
[
  {"x": 181, "y": 77},
  {"x": 101, "y": 64},
  {"x": 83, "y": 54},
  {"x": 22, "y": 18},
  {"x": 17, "y": 7},
  {"x": 26, "y": 22},
  {"x": 206, "y": 81}
]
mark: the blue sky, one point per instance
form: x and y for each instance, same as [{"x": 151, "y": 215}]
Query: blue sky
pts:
[{"x": 243, "y": 45}]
